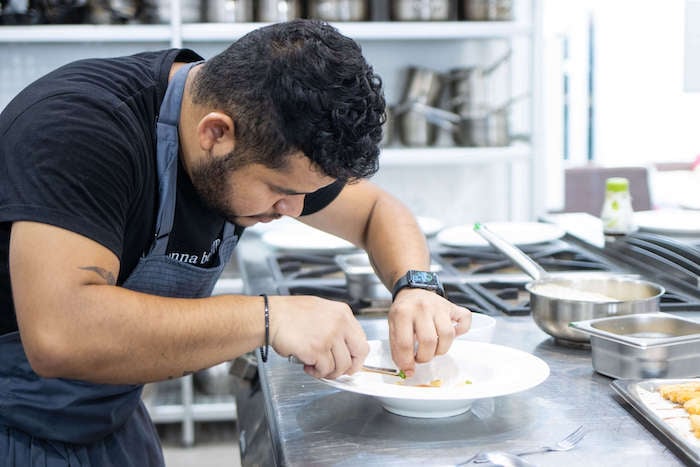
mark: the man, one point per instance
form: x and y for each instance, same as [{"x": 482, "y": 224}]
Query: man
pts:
[{"x": 114, "y": 169}]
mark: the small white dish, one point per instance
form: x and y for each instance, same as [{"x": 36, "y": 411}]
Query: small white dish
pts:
[
  {"x": 469, "y": 371},
  {"x": 300, "y": 237},
  {"x": 481, "y": 329},
  {"x": 516, "y": 233},
  {"x": 429, "y": 225}
]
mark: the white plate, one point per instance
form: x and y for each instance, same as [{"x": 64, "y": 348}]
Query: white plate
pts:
[
  {"x": 302, "y": 238},
  {"x": 430, "y": 226},
  {"x": 669, "y": 221},
  {"x": 493, "y": 370},
  {"x": 517, "y": 233}
]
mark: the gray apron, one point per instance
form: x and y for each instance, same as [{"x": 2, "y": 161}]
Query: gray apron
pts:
[{"x": 58, "y": 422}]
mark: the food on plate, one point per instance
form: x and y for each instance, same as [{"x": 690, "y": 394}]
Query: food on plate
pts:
[
  {"x": 687, "y": 395},
  {"x": 571, "y": 293},
  {"x": 436, "y": 383}
]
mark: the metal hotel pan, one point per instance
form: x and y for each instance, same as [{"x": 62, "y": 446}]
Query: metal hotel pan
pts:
[{"x": 597, "y": 295}]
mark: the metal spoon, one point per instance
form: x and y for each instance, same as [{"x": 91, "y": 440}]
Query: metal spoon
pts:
[{"x": 501, "y": 458}]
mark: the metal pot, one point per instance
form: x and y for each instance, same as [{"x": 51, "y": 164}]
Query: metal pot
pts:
[
  {"x": 424, "y": 87},
  {"x": 420, "y": 10},
  {"x": 553, "y": 313},
  {"x": 278, "y": 10},
  {"x": 556, "y": 300},
  {"x": 362, "y": 282},
  {"x": 229, "y": 11},
  {"x": 338, "y": 10}
]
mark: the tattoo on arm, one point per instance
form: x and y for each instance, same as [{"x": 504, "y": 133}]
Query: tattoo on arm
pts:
[{"x": 103, "y": 273}]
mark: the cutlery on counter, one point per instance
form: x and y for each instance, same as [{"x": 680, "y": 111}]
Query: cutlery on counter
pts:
[
  {"x": 372, "y": 369},
  {"x": 514, "y": 460}
]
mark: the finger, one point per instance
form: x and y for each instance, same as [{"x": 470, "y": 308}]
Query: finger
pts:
[
  {"x": 358, "y": 347},
  {"x": 342, "y": 360},
  {"x": 401, "y": 338},
  {"x": 426, "y": 338},
  {"x": 325, "y": 364},
  {"x": 445, "y": 332},
  {"x": 462, "y": 318}
]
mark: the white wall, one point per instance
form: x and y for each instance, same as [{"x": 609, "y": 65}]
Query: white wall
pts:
[{"x": 642, "y": 113}]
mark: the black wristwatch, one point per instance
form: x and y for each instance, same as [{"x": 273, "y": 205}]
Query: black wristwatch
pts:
[{"x": 419, "y": 280}]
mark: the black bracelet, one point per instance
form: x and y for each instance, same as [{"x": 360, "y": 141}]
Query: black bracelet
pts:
[{"x": 265, "y": 350}]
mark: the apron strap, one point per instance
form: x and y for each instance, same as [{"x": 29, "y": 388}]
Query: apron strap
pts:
[{"x": 167, "y": 149}]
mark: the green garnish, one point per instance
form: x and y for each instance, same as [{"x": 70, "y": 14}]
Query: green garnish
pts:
[{"x": 401, "y": 374}]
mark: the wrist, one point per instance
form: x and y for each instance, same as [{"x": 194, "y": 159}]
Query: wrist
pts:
[{"x": 413, "y": 279}]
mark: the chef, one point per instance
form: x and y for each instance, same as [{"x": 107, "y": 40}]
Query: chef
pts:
[{"x": 125, "y": 186}]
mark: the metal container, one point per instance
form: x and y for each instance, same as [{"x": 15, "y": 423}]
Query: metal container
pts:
[
  {"x": 229, "y": 11},
  {"x": 278, "y": 10},
  {"x": 553, "y": 314},
  {"x": 651, "y": 345},
  {"x": 362, "y": 282},
  {"x": 420, "y": 10},
  {"x": 338, "y": 10},
  {"x": 556, "y": 301},
  {"x": 488, "y": 10},
  {"x": 423, "y": 87}
]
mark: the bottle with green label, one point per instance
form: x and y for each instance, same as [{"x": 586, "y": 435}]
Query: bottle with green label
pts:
[{"x": 617, "y": 214}]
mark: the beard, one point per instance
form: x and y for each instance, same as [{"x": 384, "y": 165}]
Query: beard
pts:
[{"x": 210, "y": 182}]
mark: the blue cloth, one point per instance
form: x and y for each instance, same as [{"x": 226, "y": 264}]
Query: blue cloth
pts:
[{"x": 61, "y": 422}]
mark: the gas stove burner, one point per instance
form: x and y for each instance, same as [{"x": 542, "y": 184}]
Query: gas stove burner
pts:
[
  {"x": 303, "y": 266},
  {"x": 553, "y": 257},
  {"x": 510, "y": 298}
]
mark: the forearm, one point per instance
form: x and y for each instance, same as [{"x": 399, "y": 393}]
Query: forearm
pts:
[
  {"x": 110, "y": 334},
  {"x": 394, "y": 241}
]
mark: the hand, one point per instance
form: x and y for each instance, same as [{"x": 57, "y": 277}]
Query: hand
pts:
[
  {"x": 422, "y": 324},
  {"x": 323, "y": 334}
]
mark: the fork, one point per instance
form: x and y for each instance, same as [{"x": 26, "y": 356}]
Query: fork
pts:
[{"x": 565, "y": 444}]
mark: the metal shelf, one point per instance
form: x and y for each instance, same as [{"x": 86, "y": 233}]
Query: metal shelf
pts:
[
  {"x": 372, "y": 30},
  {"x": 87, "y": 33},
  {"x": 176, "y": 401},
  {"x": 215, "y": 32},
  {"x": 400, "y": 156}
]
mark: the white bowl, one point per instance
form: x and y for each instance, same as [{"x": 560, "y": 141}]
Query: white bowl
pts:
[
  {"x": 464, "y": 375},
  {"x": 481, "y": 330}
]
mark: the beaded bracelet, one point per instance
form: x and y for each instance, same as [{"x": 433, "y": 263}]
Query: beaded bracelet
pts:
[{"x": 265, "y": 350}]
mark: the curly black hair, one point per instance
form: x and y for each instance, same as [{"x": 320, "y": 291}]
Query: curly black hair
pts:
[{"x": 299, "y": 85}]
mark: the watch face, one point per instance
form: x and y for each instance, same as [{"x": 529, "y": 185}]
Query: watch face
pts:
[{"x": 423, "y": 278}]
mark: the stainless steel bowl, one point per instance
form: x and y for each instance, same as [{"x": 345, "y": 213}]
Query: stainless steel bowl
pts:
[
  {"x": 649, "y": 345},
  {"x": 554, "y": 313}
]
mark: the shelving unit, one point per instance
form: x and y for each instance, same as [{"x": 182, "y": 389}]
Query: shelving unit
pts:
[{"x": 28, "y": 52}]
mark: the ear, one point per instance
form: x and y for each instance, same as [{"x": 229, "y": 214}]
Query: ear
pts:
[{"x": 216, "y": 133}]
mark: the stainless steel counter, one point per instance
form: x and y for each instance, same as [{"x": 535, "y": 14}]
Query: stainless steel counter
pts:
[{"x": 312, "y": 424}]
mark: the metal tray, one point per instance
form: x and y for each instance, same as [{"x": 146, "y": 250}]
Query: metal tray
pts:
[{"x": 643, "y": 396}]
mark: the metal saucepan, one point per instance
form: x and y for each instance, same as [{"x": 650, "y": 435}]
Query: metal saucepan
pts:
[{"x": 556, "y": 300}]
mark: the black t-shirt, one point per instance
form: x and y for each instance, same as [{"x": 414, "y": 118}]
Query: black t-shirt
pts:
[{"x": 77, "y": 150}]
